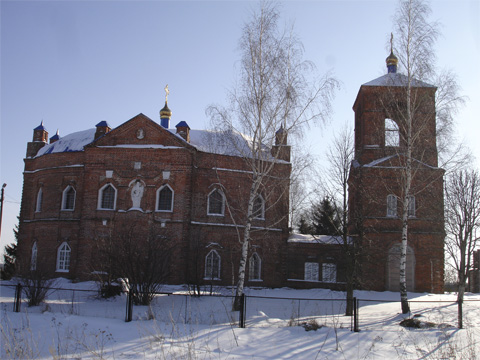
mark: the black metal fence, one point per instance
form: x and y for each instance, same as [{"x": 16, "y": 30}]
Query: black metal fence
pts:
[{"x": 216, "y": 308}]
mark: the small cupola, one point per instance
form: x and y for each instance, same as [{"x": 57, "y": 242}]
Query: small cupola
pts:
[
  {"x": 40, "y": 139},
  {"x": 281, "y": 136},
  {"x": 55, "y": 137},
  {"x": 102, "y": 129},
  {"x": 165, "y": 113},
  {"x": 183, "y": 130},
  {"x": 40, "y": 133},
  {"x": 391, "y": 60},
  {"x": 281, "y": 150}
]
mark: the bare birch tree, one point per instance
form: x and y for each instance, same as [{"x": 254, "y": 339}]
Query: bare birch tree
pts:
[
  {"x": 302, "y": 169},
  {"x": 275, "y": 90},
  {"x": 340, "y": 156},
  {"x": 462, "y": 220},
  {"x": 414, "y": 41}
]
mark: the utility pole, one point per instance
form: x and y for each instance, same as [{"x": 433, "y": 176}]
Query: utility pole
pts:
[{"x": 1, "y": 205}]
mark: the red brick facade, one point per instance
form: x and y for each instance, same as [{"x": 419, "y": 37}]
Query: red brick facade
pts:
[
  {"x": 141, "y": 151},
  {"x": 63, "y": 209},
  {"x": 376, "y": 178}
]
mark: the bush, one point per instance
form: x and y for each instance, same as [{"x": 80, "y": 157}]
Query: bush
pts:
[
  {"x": 110, "y": 290},
  {"x": 36, "y": 286}
]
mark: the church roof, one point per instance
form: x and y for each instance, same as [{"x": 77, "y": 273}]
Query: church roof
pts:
[
  {"x": 317, "y": 239},
  {"x": 396, "y": 79},
  {"x": 231, "y": 143},
  {"x": 69, "y": 143}
]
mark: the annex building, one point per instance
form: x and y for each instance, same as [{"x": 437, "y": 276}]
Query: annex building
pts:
[{"x": 143, "y": 182}]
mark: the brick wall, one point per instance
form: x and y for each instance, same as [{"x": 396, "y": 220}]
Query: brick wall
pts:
[{"x": 191, "y": 175}]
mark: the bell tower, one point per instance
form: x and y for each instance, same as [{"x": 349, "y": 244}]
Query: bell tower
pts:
[{"x": 376, "y": 183}]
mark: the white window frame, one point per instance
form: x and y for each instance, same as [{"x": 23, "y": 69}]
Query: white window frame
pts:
[
  {"x": 223, "y": 203},
  {"x": 329, "y": 272},
  {"x": 212, "y": 254},
  {"x": 157, "y": 204},
  {"x": 392, "y": 134},
  {"x": 64, "y": 198},
  {"x": 392, "y": 206},
  {"x": 33, "y": 258},
  {"x": 262, "y": 210},
  {"x": 252, "y": 275},
  {"x": 39, "y": 202},
  {"x": 411, "y": 206},
  {"x": 100, "y": 197},
  {"x": 63, "y": 258},
  {"x": 311, "y": 271}
]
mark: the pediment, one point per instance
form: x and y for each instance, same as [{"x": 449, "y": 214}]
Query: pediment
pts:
[{"x": 140, "y": 131}]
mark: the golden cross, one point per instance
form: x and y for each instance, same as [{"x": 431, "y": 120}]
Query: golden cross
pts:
[{"x": 166, "y": 93}]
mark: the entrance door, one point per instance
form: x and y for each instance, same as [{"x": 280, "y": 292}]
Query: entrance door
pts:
[{"x": 393, "y": 268}]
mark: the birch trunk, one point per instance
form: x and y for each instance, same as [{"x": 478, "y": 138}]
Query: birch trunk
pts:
[
  {"x": 245, "y": 247},
  {"x": 406, "y": 198}
]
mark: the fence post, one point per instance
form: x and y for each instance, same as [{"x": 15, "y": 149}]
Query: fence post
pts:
[
  {"x": 355, "y": 315},
  {"x": 18, "y": 298},
  {"x": 128, "y": 317},
  {"x": 298, "y": 312},
  {"x": 242, "y": 311}
]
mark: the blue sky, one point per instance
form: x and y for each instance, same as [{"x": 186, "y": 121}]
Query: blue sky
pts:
[{"x": 75, "y": 63}]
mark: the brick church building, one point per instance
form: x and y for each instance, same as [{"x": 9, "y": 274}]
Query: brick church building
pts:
[{"x": 143, "y": 180}]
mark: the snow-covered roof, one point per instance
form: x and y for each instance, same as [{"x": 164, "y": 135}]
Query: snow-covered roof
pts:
[
  {"x": 378, "y": 162},
  {"x": 231, "y": 143},
  {"x": 69, "y": 143},
  {"x": 396, "y": 79},
  {"x": 316, "y": 239}
]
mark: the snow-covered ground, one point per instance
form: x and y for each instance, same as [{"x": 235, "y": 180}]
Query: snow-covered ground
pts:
[{"x": 79, "y": 325}]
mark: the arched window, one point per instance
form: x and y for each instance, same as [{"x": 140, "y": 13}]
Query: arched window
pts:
[
  {"x": 107, "y": 197},
  {"x": 391, "y": 205},
  {"x": 212, "y": 265},
  {"x": 255, "y": 267},
  {"x": 259, "y": 208},
  {"x": 411, "y": 206},
  {"x": 165, "y": 198},
  {"x": 63, "y": 258},
  {"x": 68, "y": 198},
  {"x": 392, "y": 135},
  {"x": 38, "y": 204},
  {"x": 216, "y": 203},
  {"x": 33, "y": 259}
]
